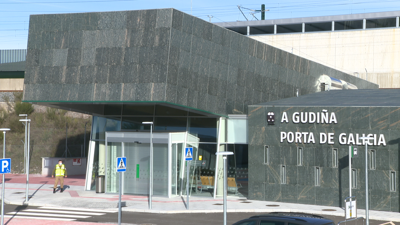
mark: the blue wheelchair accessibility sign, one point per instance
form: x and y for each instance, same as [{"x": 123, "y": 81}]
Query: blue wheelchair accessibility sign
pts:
[
  {"x": 5, "y": 165},
  {"x": 121, "y": 164}
]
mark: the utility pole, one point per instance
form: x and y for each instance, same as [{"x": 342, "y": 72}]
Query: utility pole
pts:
[
  {"x": 263, "y": 12},
  {"x": 209, "y": 16}
]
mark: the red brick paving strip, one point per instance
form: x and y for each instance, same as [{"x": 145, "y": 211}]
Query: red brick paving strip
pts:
[{"x": 15, "y": 221}]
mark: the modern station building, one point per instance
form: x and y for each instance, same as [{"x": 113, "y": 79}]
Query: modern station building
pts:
[{"x": 206, "y": 87}]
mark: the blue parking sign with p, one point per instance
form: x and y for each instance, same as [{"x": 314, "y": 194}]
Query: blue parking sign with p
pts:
[{"x": 5, "y": 165}]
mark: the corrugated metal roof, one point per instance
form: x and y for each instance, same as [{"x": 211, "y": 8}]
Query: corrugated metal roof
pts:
[{"x": 12, "y": 55}]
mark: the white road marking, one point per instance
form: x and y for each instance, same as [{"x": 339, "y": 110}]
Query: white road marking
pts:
[
  {"x": 48, "y": 214},
  {"x": 39, "y": 218},
  {"x": 82, "y": 209},
  {"x": 64, "y": 212}
]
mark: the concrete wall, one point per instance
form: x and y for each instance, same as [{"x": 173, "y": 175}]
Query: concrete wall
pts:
[
  {"x": 160, "y": 55},
  {"x": 48, "y": 164},
  {"x": 377, "y": 50},
  {"x": 11, "y": 84},
  {"x": 265, "y": 180}
]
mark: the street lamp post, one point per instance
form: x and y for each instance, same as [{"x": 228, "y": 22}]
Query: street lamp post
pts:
[
  {"x": 26, "y": 130},
  {"x": 224, "y": 156},
  {"x": 27, "y": 145},
  {"x": 366, "y": 141},
  {"x": 151, "y": 163},
  {"x": 3, "y": 186}
]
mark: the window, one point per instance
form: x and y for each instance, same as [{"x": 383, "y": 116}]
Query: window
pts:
[
  {"x": 264, "y": 222},
  {"x": 334, "y": 158},
  {"x": 317, "y": 176},
  {"x": 372, "y": 160},
  {"x": 378, "y": 23},
  {"x": 299, "y": 156},
  {"x": 393, "y": 181},
  {"x": 266, "y": 154},
  {"x": 283, "y": 174},
  {"x": 353, "y": 178},
  {"x": 248, "y": 223}
]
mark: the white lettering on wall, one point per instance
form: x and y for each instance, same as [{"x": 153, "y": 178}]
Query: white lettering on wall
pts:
[
  {"x": 284, "y": 118},
  {"x": 295, "y": 117},
  {"x": 322, "y": 138},
  {"x": 324, "y": 117},
  {"x": 330, "y": 138},
  {"x": 382, "y": 140}
]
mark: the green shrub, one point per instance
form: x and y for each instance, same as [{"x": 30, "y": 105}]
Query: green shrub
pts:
[
  {"x": 23, "y": 108},
  {"x": 18, "y": 96},
  {"x": 3, "y": 116},
  {"x": 51, "y": 113},
  {"x": 15, "y": 125}
]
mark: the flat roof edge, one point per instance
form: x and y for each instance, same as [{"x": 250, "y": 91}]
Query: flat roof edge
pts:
[{"x": 374, "y": 15}]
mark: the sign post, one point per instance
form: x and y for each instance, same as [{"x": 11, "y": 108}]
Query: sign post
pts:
[
  {"x": 366, "y": 141},
  {"x": 27, "y": 123},
  {"x": 5, "y": 165},
  {"x": 352, "y": 154},
  {"x": 224, "y": 156},
  {"x": 188, "y": 158},
  {"x": 121, "y": 167}
]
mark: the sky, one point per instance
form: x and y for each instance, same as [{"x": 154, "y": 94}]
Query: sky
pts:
[{"x": 14, "y": 14}]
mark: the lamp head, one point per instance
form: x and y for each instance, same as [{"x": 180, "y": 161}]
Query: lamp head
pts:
[
  {"x": 224, "y": 153},
  {"x": 147, "y": 122}
]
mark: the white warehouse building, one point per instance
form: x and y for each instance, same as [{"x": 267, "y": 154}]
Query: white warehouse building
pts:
[{"x": 366, "y": 45}]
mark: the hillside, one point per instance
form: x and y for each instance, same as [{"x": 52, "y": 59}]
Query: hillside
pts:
[{"x": 48, "y": 133}]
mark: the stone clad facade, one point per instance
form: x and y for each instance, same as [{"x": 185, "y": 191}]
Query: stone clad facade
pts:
[
  {"x": 160, "y": 55},
  {"x": 365, "y": 112}
]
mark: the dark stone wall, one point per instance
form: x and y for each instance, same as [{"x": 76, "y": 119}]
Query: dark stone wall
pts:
[
  {"x": 160, "y": 55},
  {"x": 264, "y": 180}
]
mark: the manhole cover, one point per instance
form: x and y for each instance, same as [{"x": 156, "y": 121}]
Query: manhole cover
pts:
[
  {"x": 328, "y": 209},
  {"x": 218, "y": 204},
  {"x": 18, "y": 192},
  {"x": 245, "y": 202},
  {"x": 272, "y": 205}
]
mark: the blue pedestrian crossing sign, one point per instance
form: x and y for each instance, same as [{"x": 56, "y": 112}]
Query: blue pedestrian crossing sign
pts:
[
  {"x": 188, "y": 154},
  {"x": 121, "y": 164},
  {"x": 5, "y": 165}
]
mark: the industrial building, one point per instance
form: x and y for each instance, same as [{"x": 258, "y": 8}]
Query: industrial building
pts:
[{"x": 365, "y": 44}]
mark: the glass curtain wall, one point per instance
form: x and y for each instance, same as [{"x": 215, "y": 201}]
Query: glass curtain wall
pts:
[{"x": 212, "y": 136}]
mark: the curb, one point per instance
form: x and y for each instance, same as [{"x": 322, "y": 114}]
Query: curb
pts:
[{"x": 337, "y": 212}]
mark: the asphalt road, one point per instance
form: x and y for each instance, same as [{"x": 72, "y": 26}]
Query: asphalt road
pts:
[{"x": 162, "y": 219}]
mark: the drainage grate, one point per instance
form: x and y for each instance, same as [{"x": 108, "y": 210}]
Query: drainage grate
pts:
[
  {"x": 272, "y": 205},
  {"x": 18, "y": 192},
  {"x": 245, "y": 202},
  {"x": 328, "y": 209},
  {"x": 218, "y": 204}
]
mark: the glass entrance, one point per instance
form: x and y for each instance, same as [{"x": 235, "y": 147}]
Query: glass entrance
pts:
[
  {"x": 169, "y": 171},
  {"x": 136, "y": 177}
]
